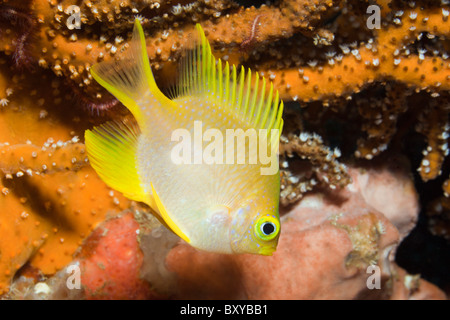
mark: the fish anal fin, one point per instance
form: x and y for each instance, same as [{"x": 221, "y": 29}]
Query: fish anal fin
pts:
[{"x": 165, "y": 215}]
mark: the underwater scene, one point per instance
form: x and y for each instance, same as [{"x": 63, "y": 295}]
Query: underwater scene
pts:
[{"x": 224, "y": 150}]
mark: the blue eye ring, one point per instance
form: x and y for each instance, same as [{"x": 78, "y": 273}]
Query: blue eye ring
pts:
[{"x": 267, "y": 228}]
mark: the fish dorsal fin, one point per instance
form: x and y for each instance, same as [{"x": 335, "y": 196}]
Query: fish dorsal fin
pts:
[
  {"x": 130, "y": 77},
  {"x": 111, "y": 149},
  {"x": 247, "y": 98}
]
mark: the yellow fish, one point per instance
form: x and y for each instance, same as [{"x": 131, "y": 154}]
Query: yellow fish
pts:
[{"x": 214, "y": 205}]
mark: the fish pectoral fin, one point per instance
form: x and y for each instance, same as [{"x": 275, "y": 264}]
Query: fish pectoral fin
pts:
[
  {"x": 111, "y": 149},
  {"x": 165, "y": 215}
]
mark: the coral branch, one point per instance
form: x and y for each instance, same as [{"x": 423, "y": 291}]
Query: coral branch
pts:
[{"x": 325, "y": 168}]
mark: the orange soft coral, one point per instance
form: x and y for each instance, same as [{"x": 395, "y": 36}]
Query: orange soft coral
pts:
[
  {"x": 51, "y": 198},
  {"x": 381, "y": 58}
]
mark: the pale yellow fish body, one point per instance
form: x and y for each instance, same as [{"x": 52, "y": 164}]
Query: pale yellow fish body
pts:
[{"x": 220, "y": 207}]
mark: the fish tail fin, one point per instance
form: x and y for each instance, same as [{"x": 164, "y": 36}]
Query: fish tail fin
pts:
[
  {"x": 111, "y": 150},
  {"x": 130, "y": 79}
]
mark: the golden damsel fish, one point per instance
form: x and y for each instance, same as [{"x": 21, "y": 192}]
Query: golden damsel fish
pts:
[{"x": 215, "y": 206}]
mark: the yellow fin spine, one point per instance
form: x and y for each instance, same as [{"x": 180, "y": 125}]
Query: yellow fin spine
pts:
[
  {"x": 274, "y": 110},
  {"x": 247, "y": 94},
  {"x": 260, "y": 104},
  {"x": 254, "y": 98},
  {"x": 227, "y": 84},
  {"x": 233, "y": 86},
  {"x": 241, "y": 90},
  {"x": 278, "y": 125},
  {"x": 204, "y": 58},
  {"x": 267, "y": 108},
  {"x": 213, "y": 77},
  {"x": 220, "y": 76}
]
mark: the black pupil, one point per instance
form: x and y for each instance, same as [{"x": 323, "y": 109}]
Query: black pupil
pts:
[{"x": 268, "y": 228}]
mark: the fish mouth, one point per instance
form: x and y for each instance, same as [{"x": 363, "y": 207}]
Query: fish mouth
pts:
[{"x": 266, "y": 251}]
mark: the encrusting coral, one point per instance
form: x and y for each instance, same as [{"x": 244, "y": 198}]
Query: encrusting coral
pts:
[
  {"x": 353, "y": 93},
  {"x": 51, "y": 199}
]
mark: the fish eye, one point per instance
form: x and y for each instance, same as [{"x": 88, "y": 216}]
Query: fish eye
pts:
[{"x": 267, "y": 228}]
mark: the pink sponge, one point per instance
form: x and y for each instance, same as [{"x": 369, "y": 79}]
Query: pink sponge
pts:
[{"x": 110, "y": 262}]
